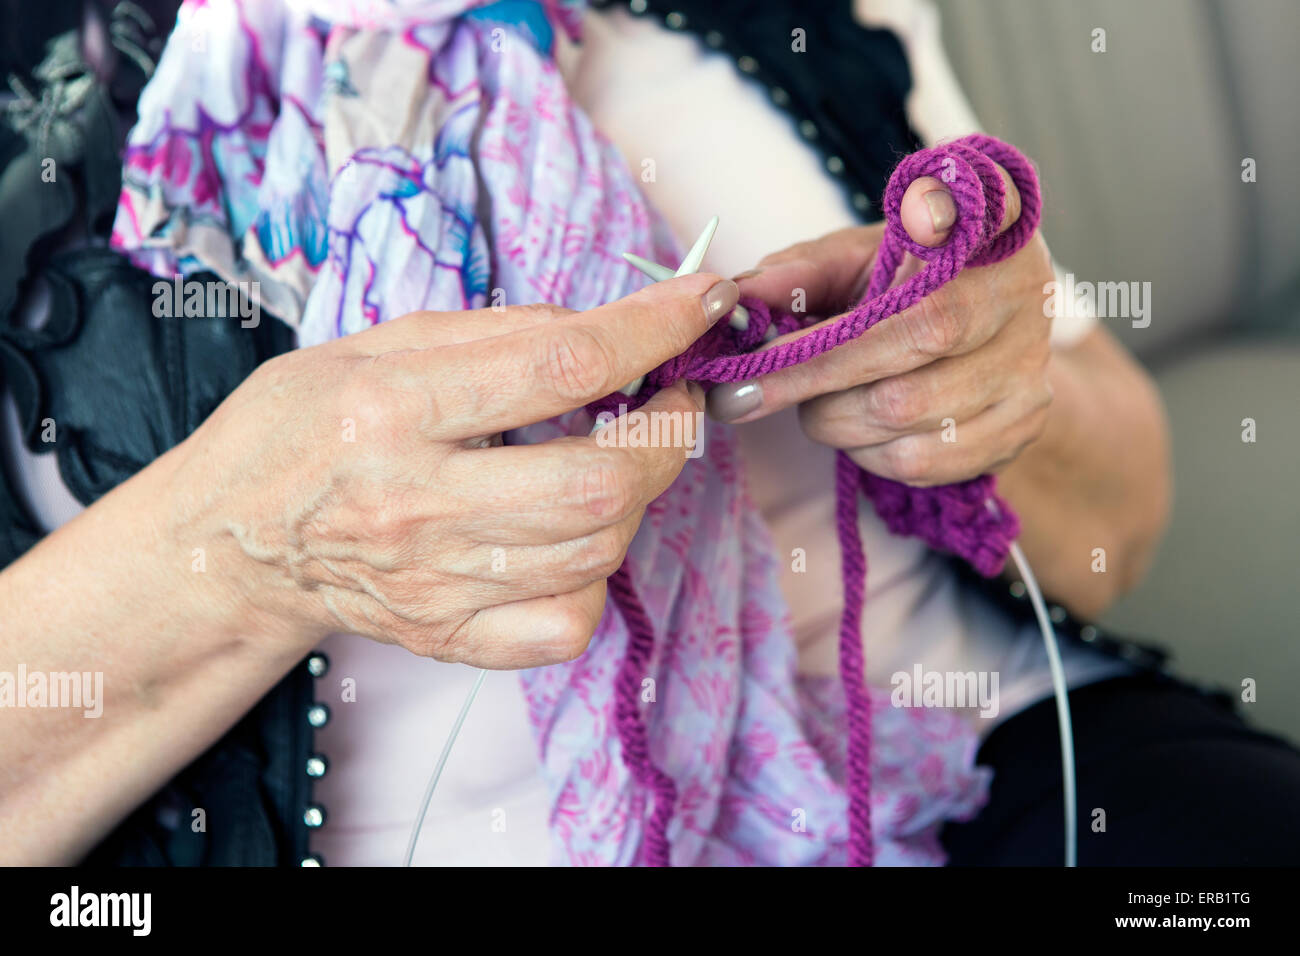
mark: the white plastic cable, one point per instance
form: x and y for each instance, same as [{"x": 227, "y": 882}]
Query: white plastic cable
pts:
[
  {"x": 1058, "y": 684},
  {"x": 442, "y": 762},
  {"x": 1062, "y": 704}
]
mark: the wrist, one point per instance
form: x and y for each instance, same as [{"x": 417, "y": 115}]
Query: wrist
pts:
[{"x": 215, "y": 584}]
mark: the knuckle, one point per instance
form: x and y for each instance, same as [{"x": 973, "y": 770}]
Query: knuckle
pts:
[
  {"x": 362, "y": 515},
  {"x": 603, "y": 490},
  {"x": 576, "y": 364},
  {"x": 908, "y": 461},
  {"x": 894, "y": 403},
  {"x": 387, "y": 524},
  {"x": 571, "y": 630},
  {"x": 360, "y": 402},
  {"x": 936, "y": 326},
  {"x": 602, "y": 555}
]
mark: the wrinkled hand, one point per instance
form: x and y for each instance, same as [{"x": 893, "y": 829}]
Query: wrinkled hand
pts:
[
  {"x": 954, "y": 387},
  {"x": 359, "y": 485}
]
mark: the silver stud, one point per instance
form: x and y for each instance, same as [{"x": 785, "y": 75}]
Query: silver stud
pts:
[
  {"x": 779, "y": 96},
  {"x": 807, "y": 129},
  {"x": 834, "y": 165},
  {"x": 318, "y": 715},
  {"x": 747, "y": 64},
  {"x": 1018, "y": 589},
  {"x": 1088, "y": 633},
  {"x": 675, "y": 21},
  {"x": 1056, "y": 613},
  {"x": 312, "y": 860},
  {"x": 638, "y": 6},
  {"x": 317, "y": 765},
  {"x": 861, "y": 202},
  {"x": 314, "y": 816},
  {"x": 317, "y": 665},
  {"x": 713, "y": 38}
]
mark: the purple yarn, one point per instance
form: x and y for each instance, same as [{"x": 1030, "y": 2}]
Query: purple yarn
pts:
[{"x": 967, "y": 519}]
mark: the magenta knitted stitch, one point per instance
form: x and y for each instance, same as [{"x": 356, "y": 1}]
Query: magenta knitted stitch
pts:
[{"x": 966, "y": 519}]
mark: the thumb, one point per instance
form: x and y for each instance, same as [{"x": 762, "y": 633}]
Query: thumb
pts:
[{"x": 928, "y": 210}]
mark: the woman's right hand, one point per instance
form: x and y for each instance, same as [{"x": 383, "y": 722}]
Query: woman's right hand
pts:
[{"x": 360, "y": 485}]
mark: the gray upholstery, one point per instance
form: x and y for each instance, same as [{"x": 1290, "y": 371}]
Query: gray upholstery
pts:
[{"x": 1140, "y": 150}]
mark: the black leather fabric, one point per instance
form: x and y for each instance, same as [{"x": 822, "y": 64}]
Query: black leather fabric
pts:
[{"x": 121, "y": 387}]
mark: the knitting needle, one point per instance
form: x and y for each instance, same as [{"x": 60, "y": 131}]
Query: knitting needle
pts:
[
  {"x": 690, "y": 265},
  {"x": 740, "y": 315}
]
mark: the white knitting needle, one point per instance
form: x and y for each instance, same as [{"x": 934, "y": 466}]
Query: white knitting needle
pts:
[{"x": 690, "y": 265}]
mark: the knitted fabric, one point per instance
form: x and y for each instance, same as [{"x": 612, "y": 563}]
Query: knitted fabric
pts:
[{"x": 967, "y": 519}]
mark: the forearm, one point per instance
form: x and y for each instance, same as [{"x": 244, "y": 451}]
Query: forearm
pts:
[
  {"x": 1098, "y": 478},
  {"x": 182, "y": 657}
]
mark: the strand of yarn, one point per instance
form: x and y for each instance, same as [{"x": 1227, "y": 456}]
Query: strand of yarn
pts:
[
  {"x": 857, "y": 764},
  {"x": 632, "y": 734},
  {"x": 956, "y": 518}
]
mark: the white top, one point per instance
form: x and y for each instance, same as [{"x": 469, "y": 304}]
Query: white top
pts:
[{"x": 662, "y": 95}]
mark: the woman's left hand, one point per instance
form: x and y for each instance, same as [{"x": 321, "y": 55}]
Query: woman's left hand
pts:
[{"x": 954, "y": 387}]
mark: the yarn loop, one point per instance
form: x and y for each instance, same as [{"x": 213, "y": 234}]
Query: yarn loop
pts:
[{"x": 967, "y": 519}]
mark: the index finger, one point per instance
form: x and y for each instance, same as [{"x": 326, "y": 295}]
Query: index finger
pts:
[
  {"x": 493, "y": 385},
  {"x": 950, "y": 321}
]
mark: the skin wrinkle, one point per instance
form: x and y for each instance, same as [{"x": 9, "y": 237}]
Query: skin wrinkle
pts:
[{"x": 260, "y": 483}]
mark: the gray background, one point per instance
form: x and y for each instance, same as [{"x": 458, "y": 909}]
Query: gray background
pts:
[{"x": 1140, "y": 152}]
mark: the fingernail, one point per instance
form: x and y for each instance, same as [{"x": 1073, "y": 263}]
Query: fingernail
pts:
[
  {"x": 730, "y": 402},
  {"x": 943, "y": 211},
  {"x": 747, "y": 274},
  {"x": 720, "y": 300}
]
